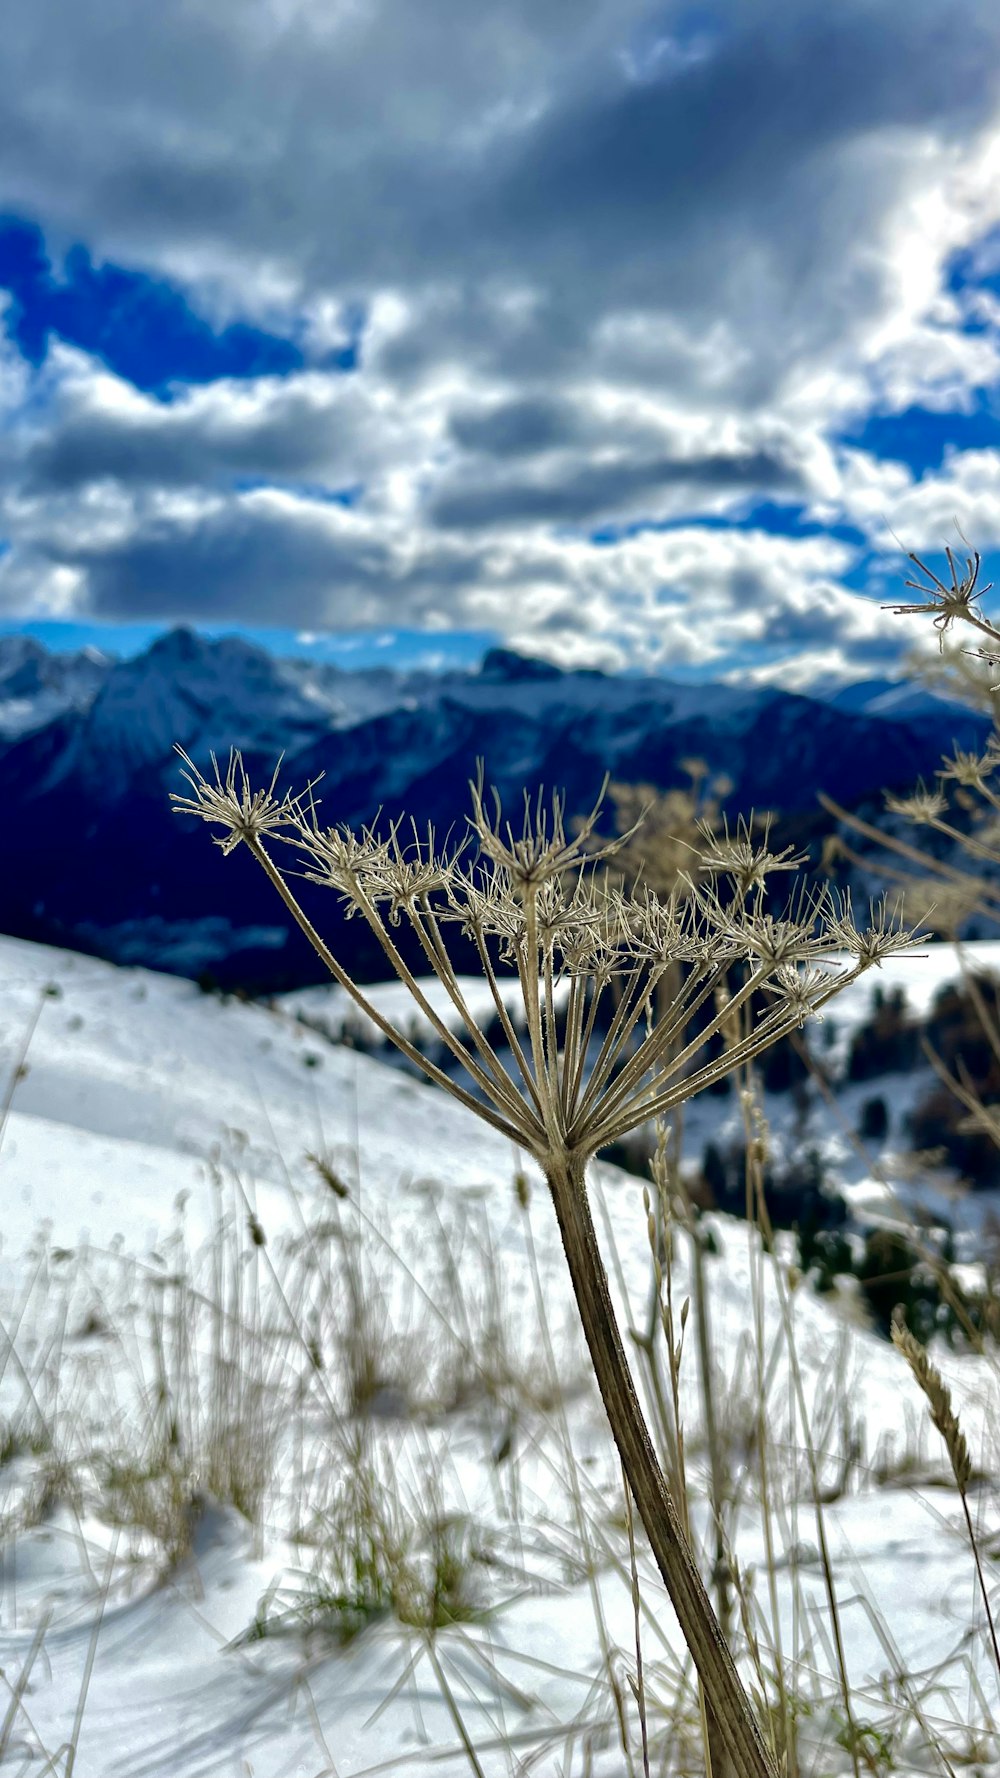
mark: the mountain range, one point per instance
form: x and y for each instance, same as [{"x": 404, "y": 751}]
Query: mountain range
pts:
[{"x": 93, "y": 858}]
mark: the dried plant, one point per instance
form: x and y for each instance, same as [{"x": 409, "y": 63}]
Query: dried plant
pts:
[
  {"x": 962, "y": 807},
  {"x": 951, "y": 603},
  {"x": 942, "y": 1413},
  {"x": 945, "y": 1419},
  {"x": 662, "y": 832},
  {"x": 532, "y": 899}
]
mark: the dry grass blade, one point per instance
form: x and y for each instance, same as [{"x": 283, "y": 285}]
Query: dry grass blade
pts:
[
  {"x": 944, "y": 1417},
  {"x": 640, "y": 1685}
]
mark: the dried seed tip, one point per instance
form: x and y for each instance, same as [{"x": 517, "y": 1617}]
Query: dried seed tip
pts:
[
  {"x": 328, "y": 1174},
  {"x": 522, "y": 1189},
  {"x": 947, "y": 604},
  {"x": 540, "y": 850},
  {"x": 738, "y": 857},
  {"x": 990, "y": 657},
  {"x": 230, "y": 803},
  {"x": 799, "y": 991},
  {"x": 771, "y": 943},
  {"x": 968, "y": 769},
  {"x": 882, "y": 937},
  {"x": 922, "y": 806},
  {"x": 983, "y": 1120},
  {"x": 938, "y": 1395}
]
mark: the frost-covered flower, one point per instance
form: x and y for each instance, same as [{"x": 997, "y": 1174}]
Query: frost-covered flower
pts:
[
  {"x": 803, "y": 990},
  {"x": 883, "y": 936},
  {"x": 739, "y": 857},
  {"x": 534, "y": 898},
  {"x": 922, "y": 806},
  {"x": 968, "y": 769},
  {"x": 948, "y": 604},
  {"x": 230, "y": 803}
]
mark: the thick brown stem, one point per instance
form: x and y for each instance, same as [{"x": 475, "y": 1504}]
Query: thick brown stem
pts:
[{"x": 726, "y": 1698}]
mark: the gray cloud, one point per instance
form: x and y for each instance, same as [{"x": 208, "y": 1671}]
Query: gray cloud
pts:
[
  {"x": 257, "y": 560},
  {"x": 524, "y": 427},
  {"x": 586, "y": 495},
  {"x": 292, "y": 438}
]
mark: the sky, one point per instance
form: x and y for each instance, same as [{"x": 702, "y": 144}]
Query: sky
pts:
[{"x": 646, "y": 337}]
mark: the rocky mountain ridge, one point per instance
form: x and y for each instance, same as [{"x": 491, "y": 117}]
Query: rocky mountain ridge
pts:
[{"x": 95, "y": 859}]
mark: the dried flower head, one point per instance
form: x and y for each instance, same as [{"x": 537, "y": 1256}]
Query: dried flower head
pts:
[
  {"x": 737, "y": 856},
  {"x": 355, "y": 864},
  {"x": 922, "y": 806},
  {"x": 803, "y": 990},
  {"x": 245, "y": 814},
  {"x": 883, "y": 936},
  {"x": 540, "y": 850},
  {"x": 948, "y": 604},
  {"x": 968, "y": 769},
  {"x": 536, "y": 900}
]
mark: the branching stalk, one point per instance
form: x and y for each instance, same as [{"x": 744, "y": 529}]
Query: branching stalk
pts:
[{"x": 531, "y": 900}]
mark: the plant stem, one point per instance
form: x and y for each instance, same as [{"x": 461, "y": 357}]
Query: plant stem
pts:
[{"x": 725, "y": 1695}]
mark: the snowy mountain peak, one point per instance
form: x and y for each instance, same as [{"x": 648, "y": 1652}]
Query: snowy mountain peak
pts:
[
  {"x": 203, "y": 694},
  {"x": 505, "y": 665},
  {"x": 36, "y": 687},
  {"x": 182, "y": 649}
]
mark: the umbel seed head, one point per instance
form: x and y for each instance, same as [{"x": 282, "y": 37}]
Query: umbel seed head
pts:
[{"x": 535, "y": 901}]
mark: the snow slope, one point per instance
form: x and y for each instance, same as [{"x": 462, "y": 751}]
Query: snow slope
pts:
[{"x": 144, "y": 1112}]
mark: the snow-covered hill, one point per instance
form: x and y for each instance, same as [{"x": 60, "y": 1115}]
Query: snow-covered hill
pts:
[{"x": 363, "y": 1348}]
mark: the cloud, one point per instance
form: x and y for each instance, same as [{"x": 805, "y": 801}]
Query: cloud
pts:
[
  {"x": 897, "y": 510},
  {"x": 524, "y": 427},
  {"x": 608, "y": 489},
  {"x": 80, "y": 425},
  {"x": 525, "y": 273},
  {"x": 388, "y": 146},
  {"x": 281, "y": 430},
  {"x": 656, "y": 599}
]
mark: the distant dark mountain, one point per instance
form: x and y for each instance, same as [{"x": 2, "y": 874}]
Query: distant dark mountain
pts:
[
  {"x": 897, "y": 699},
  {"x": 94, "y": 858}
]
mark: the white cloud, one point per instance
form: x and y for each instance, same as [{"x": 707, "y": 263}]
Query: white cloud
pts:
[
  {"x": 895, "y": 509},
  {"x": 607, "y": 269}
]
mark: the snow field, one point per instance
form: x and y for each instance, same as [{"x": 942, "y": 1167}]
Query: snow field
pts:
[{"x": 300, "y": 1468}]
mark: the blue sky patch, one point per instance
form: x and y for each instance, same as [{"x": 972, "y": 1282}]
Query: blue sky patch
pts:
[
  {"x": 777, "y": 518},
  {"x": 920, "y": 437},
  {"x": 141, "y": 327},
  {"x": 976, "y": 267},
  {"x": 397, "y": 648},
  {"x": 347, "y": 497}
]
